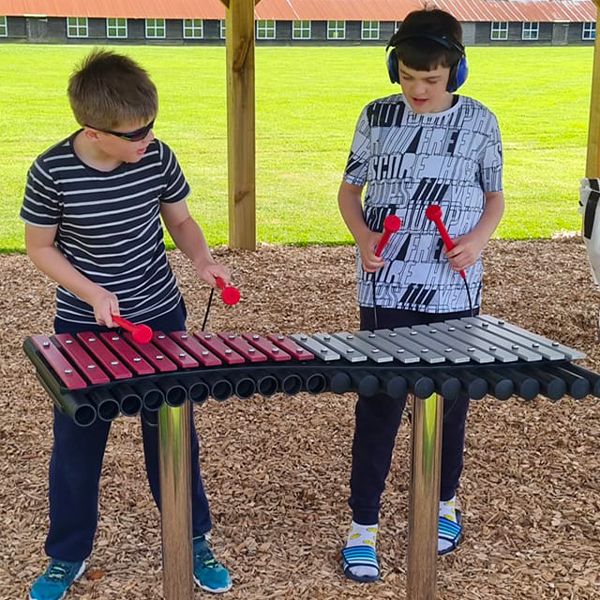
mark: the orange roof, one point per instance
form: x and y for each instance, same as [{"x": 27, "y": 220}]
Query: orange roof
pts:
[
  {"x": 310, "y": 10},
  {"x": 168, "y": 9}
]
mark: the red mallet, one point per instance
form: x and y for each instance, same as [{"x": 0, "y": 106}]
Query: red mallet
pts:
[
  {"x": 229, "y": 294},
  {"x": 141, "y": 334},
  {"x": 434, "y": 213},
  {"x": 391, "y": 224}
]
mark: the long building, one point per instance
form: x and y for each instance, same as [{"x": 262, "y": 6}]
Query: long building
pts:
[{"x": 287, "y": 22}]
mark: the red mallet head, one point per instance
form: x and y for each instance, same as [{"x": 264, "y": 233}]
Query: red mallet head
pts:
[
  {"x": 229, "y": 294},
  {"x": 433, "y": 212},
  {"x": 142, "y": 334},
  {"x": 392, "y": 223}
]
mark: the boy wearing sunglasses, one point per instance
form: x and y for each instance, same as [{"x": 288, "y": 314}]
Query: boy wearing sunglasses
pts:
[{"x": 92, "y": 210}]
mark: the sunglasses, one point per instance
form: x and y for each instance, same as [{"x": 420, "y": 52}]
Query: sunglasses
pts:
[{"x": 131, "y": 136}]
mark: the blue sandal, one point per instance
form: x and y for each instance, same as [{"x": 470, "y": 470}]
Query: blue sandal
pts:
[
  {"x": 450, "y": 531},
  {"x": 360, "y": 556}
]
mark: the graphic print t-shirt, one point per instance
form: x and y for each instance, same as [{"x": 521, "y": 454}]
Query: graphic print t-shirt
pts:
[
  {"x": 109, "y": 226},
  {"x": 409, "y": 161}
]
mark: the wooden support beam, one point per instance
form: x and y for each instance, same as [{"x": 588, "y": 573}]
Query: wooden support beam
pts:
[
  {"x": 241, "y": 124},
  {"x": 593, "y": 151}
]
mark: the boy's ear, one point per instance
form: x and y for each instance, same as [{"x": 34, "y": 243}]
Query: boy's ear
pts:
[{"x": 91, "y": 134}]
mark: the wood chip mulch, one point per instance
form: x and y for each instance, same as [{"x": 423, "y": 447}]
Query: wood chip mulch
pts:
[{"x": 277, "y": 469}]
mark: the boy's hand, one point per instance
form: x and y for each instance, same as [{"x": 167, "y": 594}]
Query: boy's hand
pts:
[
  {"x": 367, "y": 245},
  {"x": 105, "y": 304},
  {"x": 467, "y": 250},
  {"x": 209, "y": 271}
]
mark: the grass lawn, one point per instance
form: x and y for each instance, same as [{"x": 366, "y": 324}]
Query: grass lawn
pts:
[{"x": 308, "y": 100}]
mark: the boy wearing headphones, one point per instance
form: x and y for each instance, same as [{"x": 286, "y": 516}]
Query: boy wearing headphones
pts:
[{"x": 424, "y": 146}]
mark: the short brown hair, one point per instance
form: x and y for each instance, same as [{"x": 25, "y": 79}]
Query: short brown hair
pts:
[
  {"x": 412, "y": 42},
  {"x": 108, "y": 89}
]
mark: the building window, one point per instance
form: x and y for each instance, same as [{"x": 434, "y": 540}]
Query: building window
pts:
[
  {"x": 588, "y": 32},
  {"x": 156, "y": 28},
  {"x": 3, "y": 27},
  {"x": 223, "y": 29},
  {"x": 77, "y": 27},
  {"x": 265, "y": 30},
  {"x": 336, "y": 30},
  {"x": 116, "y": 28},
  {"x": 301, "y": 30},
  {"x": 193, "y": 29},
  {"x": 530, "y": 31},
  {"x": 499, "y": 30},
  {"x": 370, "y": 30}
]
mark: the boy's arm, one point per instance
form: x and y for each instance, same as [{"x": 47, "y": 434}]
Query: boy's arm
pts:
[
  {"x": 39, "y": 242},
  {"x": 468, "y": 247},
  {"x": 188, "y": 237},
  {"x": 350, "y": 204}
]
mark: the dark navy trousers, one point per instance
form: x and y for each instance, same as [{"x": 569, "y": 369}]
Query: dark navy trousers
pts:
[
  {"x": 377, "y": 422},
  {"x": 76, "y": 463}
]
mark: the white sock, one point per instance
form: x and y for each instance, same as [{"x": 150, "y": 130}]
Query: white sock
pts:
[
  {"x": 448, "y": 510},
  {"x": 362, "y": 535}
]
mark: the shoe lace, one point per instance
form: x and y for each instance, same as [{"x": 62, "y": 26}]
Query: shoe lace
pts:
[
  {"x": 57, "y": 571},
  {"x": 206, "y": 558}
]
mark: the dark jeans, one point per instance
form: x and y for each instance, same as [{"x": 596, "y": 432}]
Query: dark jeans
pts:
[
  {"x": 76, "y": 463},
  {"x": 377, "y": 422}
]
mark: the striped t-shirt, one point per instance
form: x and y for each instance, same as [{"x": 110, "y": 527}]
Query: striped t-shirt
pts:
[{"x": 109, "y": 226}]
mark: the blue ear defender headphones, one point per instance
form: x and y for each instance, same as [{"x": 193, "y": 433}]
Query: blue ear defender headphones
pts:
[{"x": 458, "y": 72}]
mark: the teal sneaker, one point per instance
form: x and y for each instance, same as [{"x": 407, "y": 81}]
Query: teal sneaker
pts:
[
  {"x": 209, "y": 573},
  {"x": 56, "y": 580}
]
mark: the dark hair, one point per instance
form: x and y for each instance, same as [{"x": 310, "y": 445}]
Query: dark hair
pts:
[
  {"x": 428, "y": 39},
  {"x": 108, "y": 90}
]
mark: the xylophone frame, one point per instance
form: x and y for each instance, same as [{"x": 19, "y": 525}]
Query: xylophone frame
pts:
[{"x": 427, "y": 383}]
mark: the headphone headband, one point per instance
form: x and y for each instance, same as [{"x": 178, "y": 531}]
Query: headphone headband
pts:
[{"x": 443, "y": 40}]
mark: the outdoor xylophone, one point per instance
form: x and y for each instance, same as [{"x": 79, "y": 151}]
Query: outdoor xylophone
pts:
[
  {"x": 97, "y": 376},
  {"x": 92, "y": 376}
]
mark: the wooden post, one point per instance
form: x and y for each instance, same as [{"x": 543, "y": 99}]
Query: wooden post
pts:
[
  {"x": 241, "y": 145},
  {"x": 593, "y": 153}
]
